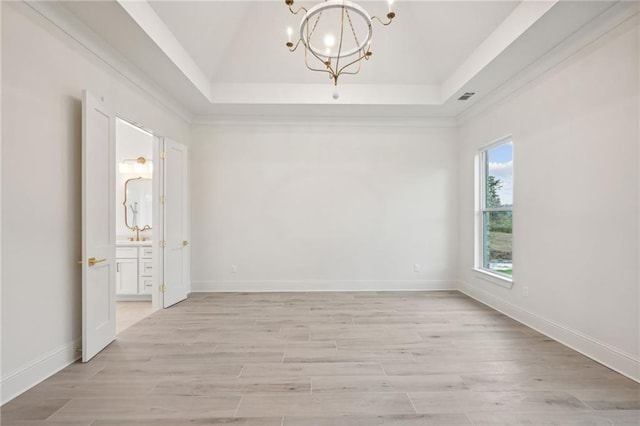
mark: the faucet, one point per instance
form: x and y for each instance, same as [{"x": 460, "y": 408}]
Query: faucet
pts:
[{"x": 138, "y": 230}]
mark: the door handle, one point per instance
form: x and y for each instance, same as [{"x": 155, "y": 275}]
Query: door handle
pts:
[
  {"x": 92, "y": 261},
  {"x": 185, "y": 243}
]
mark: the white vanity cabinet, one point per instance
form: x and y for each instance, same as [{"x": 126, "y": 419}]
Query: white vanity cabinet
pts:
[
  {"x": 145, "y": 270},
  {"x": 134, "y": 271}
]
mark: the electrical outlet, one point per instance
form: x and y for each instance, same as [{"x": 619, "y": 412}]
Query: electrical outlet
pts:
[
  {"x": 416, "y": 268},
  {"x": 525, "y": 291},
  {"x": 234, "y": 269}
]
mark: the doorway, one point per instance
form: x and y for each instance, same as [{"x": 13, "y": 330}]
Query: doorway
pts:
[
  {"x": 146, "y": 257},
  {"x": 135, "y": 205}
]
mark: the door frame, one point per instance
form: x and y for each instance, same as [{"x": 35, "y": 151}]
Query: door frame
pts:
[{"x": 158, "y": 215}]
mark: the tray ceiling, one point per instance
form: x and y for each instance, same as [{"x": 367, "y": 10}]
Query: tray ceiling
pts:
[{"x": 229, "y": 56}]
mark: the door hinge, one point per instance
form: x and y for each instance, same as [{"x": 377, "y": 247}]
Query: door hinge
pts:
[
  {"x": 163, "y": 243},
  {"x": 163, "y": 288},
  {"x": 79, "y": 350},
  {"x": 163, "y": 199},
  {"x": 163, "y": 154}
]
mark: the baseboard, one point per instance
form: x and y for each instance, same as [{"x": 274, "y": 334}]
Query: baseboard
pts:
[
  {"x": 624, "y": 363},
  {"x": 36, "y": 371},
  {"x": 297, "y": 286},
  {"x": 133, "y": 298}
]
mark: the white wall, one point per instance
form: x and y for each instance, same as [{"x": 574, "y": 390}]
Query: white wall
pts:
[
  {"x": 43, "y": 74},
  {"x": 323, "y": 207},
  {"x": 576, "y": 201}
]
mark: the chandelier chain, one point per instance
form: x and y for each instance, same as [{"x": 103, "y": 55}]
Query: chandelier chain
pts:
[
  {"x": 315, "y": 24},
  {"x": 353, "y": 31},
  {"x": 341, "y": 38}
]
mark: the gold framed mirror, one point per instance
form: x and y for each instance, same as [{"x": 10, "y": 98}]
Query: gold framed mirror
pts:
[{"x": 138, "y": 205}]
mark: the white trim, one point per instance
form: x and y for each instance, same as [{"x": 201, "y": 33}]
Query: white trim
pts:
[
  {"x": 277, "y": 120},
  {"x": 620, "y": 361},
  {"x": 617, "y": 15},
  {"x": 102, "y": 53},
  {"x": 34, "y": 372},
  {"x": 134, "y": 297},
  {"x": 154, "y": 27},
  {"x": 493, "y": 278},
  {"x": 326, "y": 285},
  {"x": 522, "y": 19},
  {"x": 496, "y": 142},
  {"x": 480, "y": 171}
]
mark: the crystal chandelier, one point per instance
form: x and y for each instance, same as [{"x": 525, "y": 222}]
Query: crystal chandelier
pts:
[{"x": 336, "y": 35}]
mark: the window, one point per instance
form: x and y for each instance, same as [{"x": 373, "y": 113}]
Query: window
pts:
[{"x": 495, "y": 222}]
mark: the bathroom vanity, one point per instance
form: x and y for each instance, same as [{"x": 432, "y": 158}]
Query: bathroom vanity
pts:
[{"x": 134, "y": 270}]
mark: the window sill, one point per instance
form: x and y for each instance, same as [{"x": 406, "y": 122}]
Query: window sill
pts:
[{"x": 497, "y": 279}]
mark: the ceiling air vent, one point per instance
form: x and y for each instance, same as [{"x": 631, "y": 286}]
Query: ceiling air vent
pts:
[{"x": 466, "y": 96}]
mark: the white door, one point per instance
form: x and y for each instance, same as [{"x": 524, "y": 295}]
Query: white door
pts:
[
  {"x": 176, "y": 250},
  {"x": 98, "y": 226}
]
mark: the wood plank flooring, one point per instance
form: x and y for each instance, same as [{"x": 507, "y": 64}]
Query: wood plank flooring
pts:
[
  {"x": 129, "y": 313},
  {"x": 330, "y": 359}
]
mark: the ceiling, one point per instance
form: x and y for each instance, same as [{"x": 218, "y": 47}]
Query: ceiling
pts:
[{"x": 229, "y": 57}]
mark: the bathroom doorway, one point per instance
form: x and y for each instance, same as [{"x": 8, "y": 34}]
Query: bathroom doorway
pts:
[{"x": 135, "y": 203}]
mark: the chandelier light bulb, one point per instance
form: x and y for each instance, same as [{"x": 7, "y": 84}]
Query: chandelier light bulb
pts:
[
  {"x": 390, "y": 5},
  {"x": 289, "y": 33},
  {"x": 329, "y": 40}
]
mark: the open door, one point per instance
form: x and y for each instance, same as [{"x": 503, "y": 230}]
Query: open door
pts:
[
  {"x": 98, "y": 226},
  {"x": 176, "y": 239}
]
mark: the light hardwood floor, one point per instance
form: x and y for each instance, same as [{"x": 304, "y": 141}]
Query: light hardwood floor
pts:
[
  {"x": 129, "y": 313},
  {"x": 331, "y": 359}
]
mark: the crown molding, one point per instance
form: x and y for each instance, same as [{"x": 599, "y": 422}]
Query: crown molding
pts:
[
  {"x": 100, "y": 52},
  {"x": 620, "y": 14},
  {"x": 278, "y": 120}
]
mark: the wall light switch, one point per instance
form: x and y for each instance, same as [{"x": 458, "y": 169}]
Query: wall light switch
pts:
[
  {"x": 416, "y": 268},
  {"x": 234, "y": 269}
]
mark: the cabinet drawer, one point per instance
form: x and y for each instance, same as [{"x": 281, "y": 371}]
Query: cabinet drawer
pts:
[
  {"x": 126, "y": 252},
  {"x": 146, "y": 268},
  {"x": 146, "y": 285},
  {"x": 146, "y": 252}
]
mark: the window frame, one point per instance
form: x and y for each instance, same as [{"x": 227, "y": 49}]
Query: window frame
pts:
[{"x": 481, "y": 209}]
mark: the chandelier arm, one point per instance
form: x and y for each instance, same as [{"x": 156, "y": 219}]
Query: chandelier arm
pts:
[
  {"x": 308, "y": 49},
  {"x": 358, "y": 61},
  {"x": 381, "y": 21},
  {"x": 293, "y": 49},
  {"x": 295, "y": 12},
  {"x": 329, "y": 70}
]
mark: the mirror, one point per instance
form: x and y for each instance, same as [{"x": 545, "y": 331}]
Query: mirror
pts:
[{"x": 138, "y": 206}]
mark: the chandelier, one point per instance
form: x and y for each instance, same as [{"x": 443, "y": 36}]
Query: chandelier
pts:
[{"x": 336, "y": 35}]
